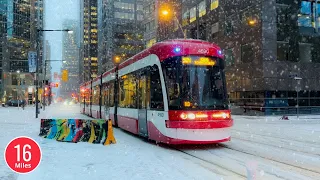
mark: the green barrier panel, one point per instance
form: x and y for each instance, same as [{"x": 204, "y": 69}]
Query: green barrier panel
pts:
[{"x": 78, "y": 130}]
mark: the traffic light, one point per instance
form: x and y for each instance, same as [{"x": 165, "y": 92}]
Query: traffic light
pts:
[
  {"x": 65, "y": 75},
  {"x": 57, "y": 85}
]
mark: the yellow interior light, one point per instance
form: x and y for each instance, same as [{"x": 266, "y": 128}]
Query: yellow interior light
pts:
[
  {"x": 124, "y": 77},
  {"x": 187, "y": 104},
  {"x": 204, "y": 61},
  {"x": 186, "y": 60}
]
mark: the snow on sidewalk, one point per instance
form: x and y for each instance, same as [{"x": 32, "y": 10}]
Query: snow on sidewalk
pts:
[{"x": 130, "y": 158}]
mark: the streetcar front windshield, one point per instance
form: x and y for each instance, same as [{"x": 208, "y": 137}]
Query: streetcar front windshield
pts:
[{"x": 195, "y": 82}]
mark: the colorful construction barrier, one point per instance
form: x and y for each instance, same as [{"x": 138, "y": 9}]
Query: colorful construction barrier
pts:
[{"x": 78, "y": 130}]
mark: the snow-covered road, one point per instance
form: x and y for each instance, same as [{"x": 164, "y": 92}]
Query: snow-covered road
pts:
[
  {"x": 268, "y": 148},
  {"x": 261, "y": 148}
]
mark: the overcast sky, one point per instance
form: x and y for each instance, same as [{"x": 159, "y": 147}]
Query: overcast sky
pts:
[{"x": 55, "y": 12}]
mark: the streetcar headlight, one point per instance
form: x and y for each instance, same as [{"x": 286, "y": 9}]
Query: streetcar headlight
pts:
[
  {"x": 183, "y": 116},
  {"x": 224, "y": 115},
  {"x": 191, "y": 116}
]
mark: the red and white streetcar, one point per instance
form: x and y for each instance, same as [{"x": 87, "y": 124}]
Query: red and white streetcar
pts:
[{"x": 173, "y": 92}]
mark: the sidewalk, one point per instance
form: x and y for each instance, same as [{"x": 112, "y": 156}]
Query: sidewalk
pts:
[{"x": 312, "y": 119}]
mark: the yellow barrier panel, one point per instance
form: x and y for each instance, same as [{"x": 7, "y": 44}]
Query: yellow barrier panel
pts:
[{"x": 110, "y": 137}]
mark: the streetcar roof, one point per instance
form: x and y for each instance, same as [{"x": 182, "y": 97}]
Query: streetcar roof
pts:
[
  {"x": 176, "y": 47},
  {"x": 171, "y": 48}
]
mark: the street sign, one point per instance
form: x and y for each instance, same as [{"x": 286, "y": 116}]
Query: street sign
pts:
[
  {"x": 65, "y": 75},
  {"x": 32, "y": 59}
]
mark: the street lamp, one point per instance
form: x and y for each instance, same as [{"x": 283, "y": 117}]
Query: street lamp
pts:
[
  {"x": 166, "y": 13},
  {"x": 297, "y": 89},
  {"x": 38, "y": 60},
  {"x": 116, "y": 62},
  {"x": 252, "y": 22}
]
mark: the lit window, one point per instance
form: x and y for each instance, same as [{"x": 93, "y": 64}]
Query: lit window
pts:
[
  {"x": 202, "y": 8},
  {"x": 193, "y": 14},
  {"x": 214, "y": 4},
  {"x": 305, "y": 18},
  {"x": 185, "y": 17},
  {"x": 307, "y": 13},
  {"x": 151, "y": 42}
]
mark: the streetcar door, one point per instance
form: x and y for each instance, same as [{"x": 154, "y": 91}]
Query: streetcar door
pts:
[{"x": 143, "y": 102}]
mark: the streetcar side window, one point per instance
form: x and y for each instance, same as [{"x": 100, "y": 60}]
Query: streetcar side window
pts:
[
  {"x": 108, "y": 94},
  {"x": 128, "y": 91},
  {"x": 156, "y": 89},
  {"x": 96, "y": 92},
  {"x": 121, "y": 92}
]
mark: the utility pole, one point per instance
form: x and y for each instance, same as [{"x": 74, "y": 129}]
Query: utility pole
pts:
[
  {"x": 38, "y": 58},
  {"x": 316, "y": 18},
  {"x": 197, "y": 21},
  {"x": 37, "y": 73},
  {"x": 44, "y": 82},
  {"x": 180, "y": 26}
]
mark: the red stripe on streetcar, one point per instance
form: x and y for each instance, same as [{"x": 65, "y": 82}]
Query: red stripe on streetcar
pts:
[
  {"x": 108, "y": 72},
  {"x": 127, "y": 123}
]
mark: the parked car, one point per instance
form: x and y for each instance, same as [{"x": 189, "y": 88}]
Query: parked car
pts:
[{"x": 16, "y": 103}]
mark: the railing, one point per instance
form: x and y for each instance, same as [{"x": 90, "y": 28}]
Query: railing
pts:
[{"x": 275, "y": 106}]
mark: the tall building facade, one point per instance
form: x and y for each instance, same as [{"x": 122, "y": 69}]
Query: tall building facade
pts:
[
  {"x": 70, "y": 56},
  {"x": 158, "y": 27},
  {"x": 120, "y": 31},
  {"x": 266, "y": 44},
  {"x": 18, "y": 23},
  {"x": 89, "y": 44}
]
